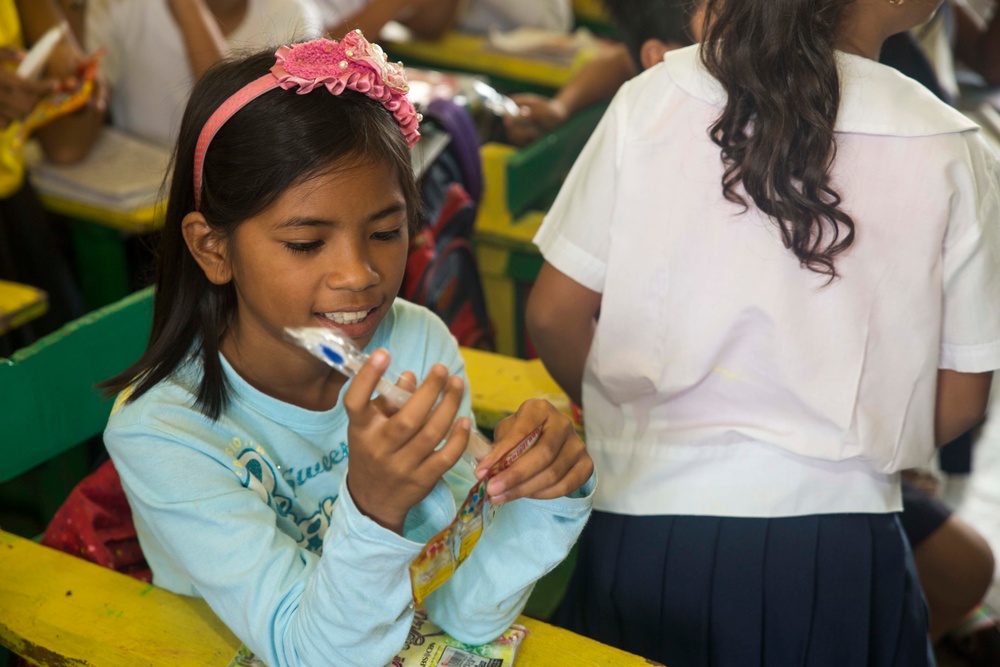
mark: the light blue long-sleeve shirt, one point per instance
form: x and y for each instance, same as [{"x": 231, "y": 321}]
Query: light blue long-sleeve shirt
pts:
[{"x": 251, "y": 513}]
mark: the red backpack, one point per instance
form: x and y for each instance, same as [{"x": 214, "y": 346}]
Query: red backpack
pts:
[{"x": 442, "y": 272}]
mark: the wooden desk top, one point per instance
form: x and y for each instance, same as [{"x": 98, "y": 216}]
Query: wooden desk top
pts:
[
  {"x": 20, "y": 304},
  {"x": 499, "y": 384},
  {"x": 472, "y": 53},
  {"x": 61, "y": 610}
]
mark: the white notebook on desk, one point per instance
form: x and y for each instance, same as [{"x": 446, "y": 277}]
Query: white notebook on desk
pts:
[{"x": 121, "y": 173}]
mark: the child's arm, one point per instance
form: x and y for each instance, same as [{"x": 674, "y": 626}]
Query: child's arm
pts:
[
  {"x": 962, "y": 399},
  {"x": 598, "y": 80},
  {"x": 976, "y": 47},
  {"x": 561, "y": 317},
  {"x": 203, "y": 39}
]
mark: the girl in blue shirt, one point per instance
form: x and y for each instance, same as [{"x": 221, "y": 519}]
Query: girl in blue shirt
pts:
[{"x": 260, "y": 479}]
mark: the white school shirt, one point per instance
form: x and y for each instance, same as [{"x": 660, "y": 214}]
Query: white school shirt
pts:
[
  {"x": 725, "y": 379},
  {"x": 146, "y": 63}
]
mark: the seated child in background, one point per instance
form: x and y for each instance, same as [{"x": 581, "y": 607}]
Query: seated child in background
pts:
[
  {"x": 30, "y": 248},
  {"x": 157, "y": 49},
  {"x": 648, "y": 30},
  {"x": 261, "y": 479}
]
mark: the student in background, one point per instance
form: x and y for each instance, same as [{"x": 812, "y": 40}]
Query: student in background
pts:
[
  {"x": 157, "y": 49},
  {"x": 648, "y": 29},
  {"x": 232, "y": 442},
  {"x": 748, "y": 398},
  {"x": 31, "y": 251}
]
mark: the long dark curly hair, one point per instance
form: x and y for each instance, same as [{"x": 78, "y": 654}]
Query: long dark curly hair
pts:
[{"x": 775, "y": 59}]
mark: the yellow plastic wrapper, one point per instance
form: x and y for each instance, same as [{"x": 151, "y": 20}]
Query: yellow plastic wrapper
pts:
[
  {"x": 444, "y": 552},
  {"x": 14, "y": 136}
]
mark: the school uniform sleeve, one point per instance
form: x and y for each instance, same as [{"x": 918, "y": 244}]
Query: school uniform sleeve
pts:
[
  {"x": 576, "y": 234},
  {"x": 971, "y": 321}
]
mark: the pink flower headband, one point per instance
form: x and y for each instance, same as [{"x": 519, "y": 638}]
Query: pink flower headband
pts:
[{"x": 354, "y": 63}]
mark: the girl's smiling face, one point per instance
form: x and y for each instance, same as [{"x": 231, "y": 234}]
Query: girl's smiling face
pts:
[{"x": 331, "y": 252}]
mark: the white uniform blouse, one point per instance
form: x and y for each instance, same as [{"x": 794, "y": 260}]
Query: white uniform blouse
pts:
[{"x": 725, "y": 379}]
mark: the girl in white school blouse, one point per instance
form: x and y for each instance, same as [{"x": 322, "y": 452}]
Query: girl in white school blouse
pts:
[{"x": 772, "y": 279}]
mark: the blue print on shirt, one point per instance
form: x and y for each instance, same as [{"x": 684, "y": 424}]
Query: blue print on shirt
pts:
[
  {"x": 259, "y": 477},
  {"x": 298, "y": 476}
]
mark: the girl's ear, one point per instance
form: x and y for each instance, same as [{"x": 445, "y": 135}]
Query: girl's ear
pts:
[{"x": 208, "y": 247}]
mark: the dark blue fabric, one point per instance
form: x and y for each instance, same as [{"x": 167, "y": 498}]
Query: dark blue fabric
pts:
[
  {"x": 837, "y": 590},
  {"x": 922, "y": 515},
  {"x": 956, "y": 456}
]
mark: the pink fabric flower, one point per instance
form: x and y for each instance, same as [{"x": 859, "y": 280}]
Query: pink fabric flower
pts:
[{"x": 354, "y": 63}]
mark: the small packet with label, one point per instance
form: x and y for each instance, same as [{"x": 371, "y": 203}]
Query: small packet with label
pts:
[
  {"x": 429, "y": 646},
  {"x": 444, "y": 552}
]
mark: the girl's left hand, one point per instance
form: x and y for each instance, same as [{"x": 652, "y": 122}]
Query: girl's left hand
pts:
[{"x": 555, "y": 466}]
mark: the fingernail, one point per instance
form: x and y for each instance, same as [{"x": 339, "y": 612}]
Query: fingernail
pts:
[
  {"x": 463, "y": 423},
  {"x": 494, "y": 488},
  {"x": 380, "y": 358},
  {"x": 498, "y": 500}
]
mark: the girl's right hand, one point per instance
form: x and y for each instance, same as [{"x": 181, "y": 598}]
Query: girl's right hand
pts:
[{"x": 394, "y": 462}]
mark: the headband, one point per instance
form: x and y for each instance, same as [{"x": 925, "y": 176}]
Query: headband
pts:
[{"x": 353, "y": 63}]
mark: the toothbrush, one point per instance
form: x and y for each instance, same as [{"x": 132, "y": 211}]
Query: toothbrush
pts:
[{"x": 343, "y": 355}]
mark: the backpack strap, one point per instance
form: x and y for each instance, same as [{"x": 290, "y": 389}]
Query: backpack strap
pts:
[{"x": 455, "y": 120}]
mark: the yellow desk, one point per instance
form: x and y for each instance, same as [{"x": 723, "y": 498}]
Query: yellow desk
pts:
[
  {"x": 472, "y": 53},
  {"x": 499, "y": 384},
  {"x": 20, "y": 304},
  {"x": 58, "y": 610}
]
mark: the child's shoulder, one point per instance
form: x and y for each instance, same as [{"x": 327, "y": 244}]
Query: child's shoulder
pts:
[
  {"x": 172, "y": 398},
  {"x": 876, "y": 99},
  {"x": 411, "y": 318},
  {"x": 413, "y": 332}
]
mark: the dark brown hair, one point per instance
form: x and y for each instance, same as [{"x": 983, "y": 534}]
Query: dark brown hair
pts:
[
  {"x": 277, "y": 141},
  {"x": 641, "y": 20},
  {"x": 776, "y": 61}
]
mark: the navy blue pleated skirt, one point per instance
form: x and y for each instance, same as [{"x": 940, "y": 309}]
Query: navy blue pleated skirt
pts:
[{"x": 686, "y": 591}]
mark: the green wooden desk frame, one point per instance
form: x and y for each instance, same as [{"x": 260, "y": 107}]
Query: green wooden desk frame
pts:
[
  {"x": 520, "y": 186},
  {"x": 99, "y": 242},
  {"x": 48, "y": 402}
]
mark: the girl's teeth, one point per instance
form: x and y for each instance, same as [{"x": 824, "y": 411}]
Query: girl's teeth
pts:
[{"x": 346, "y": 318}]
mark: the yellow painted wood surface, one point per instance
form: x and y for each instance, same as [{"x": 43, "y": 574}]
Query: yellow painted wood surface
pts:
[
  {"x": 472, "y": 53},
  {"x": 20, "y": 304},
  {"x": 136, "y": 221},
  {"x": 499, "y": 385},
  {"x": 591, "y": 10},
  {"x": 61, "y": 611}
]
